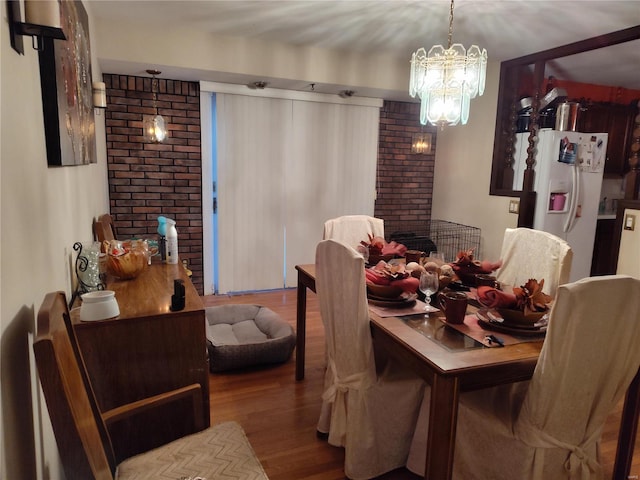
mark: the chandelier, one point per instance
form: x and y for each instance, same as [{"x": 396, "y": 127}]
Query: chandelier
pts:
[
  {"x": 446, "y": 80},
  {"x": 155, "y": 128}
]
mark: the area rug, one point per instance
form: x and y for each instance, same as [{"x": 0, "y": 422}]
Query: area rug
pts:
[{"x": 221, "y": 452}]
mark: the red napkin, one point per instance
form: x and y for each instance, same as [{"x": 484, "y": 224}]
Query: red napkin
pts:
[{"x": 494, "y": 298}]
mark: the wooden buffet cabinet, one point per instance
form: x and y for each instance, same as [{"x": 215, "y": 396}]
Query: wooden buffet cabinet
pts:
[{"x": 148, "y": 350}]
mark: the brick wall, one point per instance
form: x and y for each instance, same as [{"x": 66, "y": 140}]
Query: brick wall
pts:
[
  {"x": 405, "y": 179},
  {"x": 148, "y": 180}
]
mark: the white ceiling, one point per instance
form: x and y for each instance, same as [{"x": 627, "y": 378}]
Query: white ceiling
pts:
[{"x": 506, "y": 28}]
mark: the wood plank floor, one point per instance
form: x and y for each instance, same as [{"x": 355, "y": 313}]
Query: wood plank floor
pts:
[{"x": 279, "y": 414}]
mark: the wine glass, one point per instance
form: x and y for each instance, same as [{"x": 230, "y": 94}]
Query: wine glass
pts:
[
  {"x": 364, "y": 251},
  {"x": 439, "y": 256},
  {"x": 428, "y": 286}
]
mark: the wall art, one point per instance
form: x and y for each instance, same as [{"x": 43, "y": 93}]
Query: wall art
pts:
[{"x": 66, "y": 81}]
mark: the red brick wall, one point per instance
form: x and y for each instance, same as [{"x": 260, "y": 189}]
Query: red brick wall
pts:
[
  {"x": 148, "y": 180},
  {"x": 405, "y": 180}
]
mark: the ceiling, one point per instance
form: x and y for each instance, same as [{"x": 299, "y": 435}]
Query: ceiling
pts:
[{"x": 506, "y": 28}]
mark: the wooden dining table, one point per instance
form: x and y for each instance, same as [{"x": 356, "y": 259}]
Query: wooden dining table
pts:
[{"x": 454, "y": 367}]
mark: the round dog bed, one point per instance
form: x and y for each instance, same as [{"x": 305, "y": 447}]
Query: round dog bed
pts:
[{"x": 246, "y": 335}]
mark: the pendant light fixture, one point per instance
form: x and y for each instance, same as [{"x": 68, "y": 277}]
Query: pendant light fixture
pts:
[
  {"x": 155, "y": 128},
  {"x": 446, "y": 80}
]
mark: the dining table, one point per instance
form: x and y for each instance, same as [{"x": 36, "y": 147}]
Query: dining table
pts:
[{"x": 451, "y": 363}]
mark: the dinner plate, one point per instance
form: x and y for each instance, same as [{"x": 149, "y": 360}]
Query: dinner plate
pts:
[
  {"x": 400, "y": 302},
  {"x": 485, "y": 322}
]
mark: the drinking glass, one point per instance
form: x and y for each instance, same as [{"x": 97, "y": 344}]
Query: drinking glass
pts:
[
  {"x": 437, "y": 256},
  {"x": 364, "y": 251},
  {"x": 428, "y": 286}
]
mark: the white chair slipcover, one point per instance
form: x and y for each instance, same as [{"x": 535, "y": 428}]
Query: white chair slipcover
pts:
[
  {"x": 352, "y": 229},
  {"x": 372, "y": 416},
  {"x": 528, "y": 253},
  {"x": 550, "y": 427}
]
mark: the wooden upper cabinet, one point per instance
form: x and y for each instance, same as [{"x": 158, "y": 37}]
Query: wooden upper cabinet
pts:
[{"x": 616, "y": 120}]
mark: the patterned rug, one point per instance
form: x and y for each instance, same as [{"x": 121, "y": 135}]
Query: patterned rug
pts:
[{"x": 220, "y": 452}]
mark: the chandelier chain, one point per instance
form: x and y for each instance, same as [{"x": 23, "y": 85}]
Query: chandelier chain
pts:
[
  {"x": 154, "y": 87},
  {"x": 450, "y": 26}
]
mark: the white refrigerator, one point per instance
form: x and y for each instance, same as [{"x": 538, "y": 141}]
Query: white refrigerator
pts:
[{"x": 568, "y": 177}]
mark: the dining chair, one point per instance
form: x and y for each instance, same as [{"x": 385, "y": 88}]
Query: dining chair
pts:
[
  {"x": 527, "y": 253},
  {"x": 104, "y": 229},
  {"x": 550, "y": 427},
  {"x": 372, "y": 415},
  {"x": 352, "y": 229},
  {"x": 82, "y": 431}
]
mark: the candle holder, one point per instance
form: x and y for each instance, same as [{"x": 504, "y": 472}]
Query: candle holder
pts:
[{"x": 18, "y": 28}]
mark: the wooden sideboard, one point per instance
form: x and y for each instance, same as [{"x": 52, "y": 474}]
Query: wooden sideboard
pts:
[{"x": 147, "y": 350}]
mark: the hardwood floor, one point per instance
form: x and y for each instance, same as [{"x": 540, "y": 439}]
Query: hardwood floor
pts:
[{"x": 279, "y": 414}]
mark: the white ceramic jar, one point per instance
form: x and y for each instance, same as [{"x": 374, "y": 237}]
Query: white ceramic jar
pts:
[{"x": 99, "y": 305}]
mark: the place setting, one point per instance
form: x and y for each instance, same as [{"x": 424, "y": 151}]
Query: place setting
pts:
[
  {"x": 394, "y": 290},
  {"x": 523, "y": 312}
]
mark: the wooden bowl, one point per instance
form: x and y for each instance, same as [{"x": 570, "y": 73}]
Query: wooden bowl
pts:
[
  {"x": 374, "y": 259},
  {"x": 384, "y": 291},
  {"x": 468, "y": 279},
  {"x": 517, "y": 317}
]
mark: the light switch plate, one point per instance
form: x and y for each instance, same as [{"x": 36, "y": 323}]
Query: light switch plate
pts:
[
  {"x": 629, "y": 222},
  {"x": 514, "y": 206}
]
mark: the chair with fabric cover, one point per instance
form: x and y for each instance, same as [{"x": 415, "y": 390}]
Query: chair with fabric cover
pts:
[
  {"x": 550, "y": 427},
  {"x": 352, "y": 229},
  {"x": 81, "y": 430},
  {"x": 528, "y": 253},
  {"x": 371, "y": 415}
]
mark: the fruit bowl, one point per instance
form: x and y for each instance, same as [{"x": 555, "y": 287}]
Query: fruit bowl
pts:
[{"x": 126, "y": 260}]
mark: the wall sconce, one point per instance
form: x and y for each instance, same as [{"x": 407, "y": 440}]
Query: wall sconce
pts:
[
  {"x": 99, "y": 97},
  {"x": 155, "y": 128},
  {"x": 42, "y": 20},
  {"x": 421, "y": 143}
]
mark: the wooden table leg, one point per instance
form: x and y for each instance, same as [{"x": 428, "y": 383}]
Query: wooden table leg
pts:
[
  {"x": 443, "y": 416},
  {"x": 628, "y": 429},
  {"x": 301, "y": 327}
]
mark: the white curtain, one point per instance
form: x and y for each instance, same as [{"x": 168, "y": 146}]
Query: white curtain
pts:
[
  {"x": 254, "y": 135},
  {"x": 331, "y": 173},
  {"x": 284, "y": 167}
]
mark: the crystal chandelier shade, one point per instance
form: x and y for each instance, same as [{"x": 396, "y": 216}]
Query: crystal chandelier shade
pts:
[{"x": 446, "y": 80}]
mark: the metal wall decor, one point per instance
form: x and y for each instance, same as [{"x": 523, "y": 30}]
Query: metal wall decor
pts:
[{"x": 87, "y": 268}]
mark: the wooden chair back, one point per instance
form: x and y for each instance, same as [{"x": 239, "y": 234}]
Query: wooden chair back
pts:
[
  {"x": 104, "y": 229},
  {"x": 81, "y": 434}
]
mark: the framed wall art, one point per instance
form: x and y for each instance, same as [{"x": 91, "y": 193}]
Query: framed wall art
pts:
[{"x": 65, "y": 77}]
